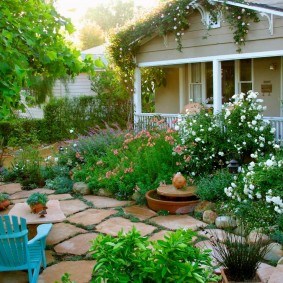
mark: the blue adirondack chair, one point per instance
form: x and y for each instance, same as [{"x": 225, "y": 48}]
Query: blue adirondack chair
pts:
[{"x": 16, "y": 252}]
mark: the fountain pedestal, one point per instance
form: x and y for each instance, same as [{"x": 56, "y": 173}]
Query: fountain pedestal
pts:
[{"x": 173, "y": 200}]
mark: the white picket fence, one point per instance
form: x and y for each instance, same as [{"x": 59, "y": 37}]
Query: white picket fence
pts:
[{"x": 145, "y": 120}]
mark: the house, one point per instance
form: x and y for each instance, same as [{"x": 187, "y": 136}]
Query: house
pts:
[
  {"x": 81, "y": 85},
  {"x": 209, "y": 69}
]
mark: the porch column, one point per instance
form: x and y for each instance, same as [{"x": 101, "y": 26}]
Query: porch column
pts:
[
  {"x": 181, "y": 88},
  {"x": 217, "y": 86},
  {"x": 137, "y": 94}
]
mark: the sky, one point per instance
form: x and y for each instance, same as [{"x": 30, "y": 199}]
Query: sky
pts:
[{"x": 75, "y": 9}]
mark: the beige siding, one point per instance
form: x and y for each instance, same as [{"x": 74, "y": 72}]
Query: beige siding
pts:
[
  {"x": 199, "y": 42},
  {"x": 263, "y": 75},
  {"x": 167, "y": 98},
  {"x": 80, "y": 86}
]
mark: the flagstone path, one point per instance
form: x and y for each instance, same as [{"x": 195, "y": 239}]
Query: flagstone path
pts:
[{"x": 68, "y": 242}]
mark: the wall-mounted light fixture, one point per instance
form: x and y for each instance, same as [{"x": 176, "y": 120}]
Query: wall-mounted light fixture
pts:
[{"x": 272, "y": 67}]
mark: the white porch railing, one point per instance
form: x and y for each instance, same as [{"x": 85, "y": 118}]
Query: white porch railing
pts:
[{"x": 145, "y": 120}]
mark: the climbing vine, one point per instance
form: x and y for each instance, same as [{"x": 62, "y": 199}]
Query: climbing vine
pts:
[{"x": 173, "y": 17}]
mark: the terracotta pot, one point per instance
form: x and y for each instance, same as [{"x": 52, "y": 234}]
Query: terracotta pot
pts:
[
  {"x": 4, "y": 204},
  {"x": 36, "y": 208},
  {"x": 225, "y": 279},
  {"x": 171, "y": 206}
]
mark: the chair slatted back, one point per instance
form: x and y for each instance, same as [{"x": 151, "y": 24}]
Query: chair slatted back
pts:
[{"x": 13, "y": 241}]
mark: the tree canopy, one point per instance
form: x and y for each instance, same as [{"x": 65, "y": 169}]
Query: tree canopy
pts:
[{"x": 33, "y": 45}]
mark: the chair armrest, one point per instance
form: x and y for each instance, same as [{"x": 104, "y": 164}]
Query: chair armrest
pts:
[{"x": 42, "y": 232}]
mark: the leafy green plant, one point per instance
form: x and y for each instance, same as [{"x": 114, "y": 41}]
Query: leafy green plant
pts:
[
  {"x": 66, "y": 279},
  {"x": 61, "y": 184},
  {"x": 236, "y": 254},
  {"x": 4, "y": 196},
  {"x": 133, "y": 258},
  {"x": 211, "y": 187},
  {"x": 37, "y": 198}
]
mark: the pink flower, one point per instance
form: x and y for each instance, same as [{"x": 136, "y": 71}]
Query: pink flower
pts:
[
  {"x": 115, "y": 151},
  {"x": 100, "y": 162}
]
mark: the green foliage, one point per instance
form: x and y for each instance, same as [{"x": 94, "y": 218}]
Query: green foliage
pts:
[
  {"x": 237, "y": 253},
  {"x": 111, "y": 14},
  {"x": 4, "y": 197},
  {"x": 34, "y": 36},
  {"x": 90, "y": 35},
  {"x": 133, "y": 258},
  {"x": 37, "y": 198},
  {"x": 141, "y": 162},
  {"x": 239, "y": 132},
  {"x": 61, "y": 184},
  {"x": 65, "y": 278},
  {"x": 26, "y": 168},
  {"x": 211, "y": 187}
]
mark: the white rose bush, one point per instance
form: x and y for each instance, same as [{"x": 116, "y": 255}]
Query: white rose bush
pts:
[{"x": 238, "y": 132}]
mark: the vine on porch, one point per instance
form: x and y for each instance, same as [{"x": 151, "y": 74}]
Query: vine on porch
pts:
[{"x": 173, "y": 17}]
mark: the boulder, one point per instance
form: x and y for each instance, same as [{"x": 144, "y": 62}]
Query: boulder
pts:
[
  {"x": 204, "y": 205},
  {"x": 209, "y": 216},
  {"x": 275, "y": 253},
  {"x": 255, "y": 235},
  {"x": 81, "y": 188},
  {"x": 225, "y": 222},
  {"x": 104, "y": 193}
]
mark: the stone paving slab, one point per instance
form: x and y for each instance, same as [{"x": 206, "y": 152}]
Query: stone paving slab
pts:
[
  {"x": 21, "y": 200},
  {"x": 10, "y": 188},
  {"x": 113, "y": 225},
  {"x": 277, "y": 275},
  {"x": 264, "y": 272},
  {"x": 14, "y": 277},
  {"x": 77, "y": 245},
  {"x": 26, "y": 194},
  {"x": 91, "y": 216},
  {"x": 159, "y": 235},
  {"x": 62, "y": 231},
  {"x": 105, "y": 202},
  {"x": 173, "y": 222},
  {"x": 141, "y": 212},
  {"x": 60, "y": 197},
  {"x": 49, "y": 256},
  {"x": 80, "y": 271},
  {"x": 72, "y": 206}
]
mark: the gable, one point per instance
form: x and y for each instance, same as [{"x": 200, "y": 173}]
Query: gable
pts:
[{"x": 198, "y": 42}]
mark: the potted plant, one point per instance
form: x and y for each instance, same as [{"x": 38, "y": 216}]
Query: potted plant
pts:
[
  {"x": 37, "y": 202},
  {"x": 239, "y": 256},
  {"x": 4, "y": 201}
]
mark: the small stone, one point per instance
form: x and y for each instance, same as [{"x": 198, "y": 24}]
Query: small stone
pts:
[
  {"x": 254, "y": 236},
  {"x": 104, "y": 193},
  {"x": 204, "y": 205},
  {"x": 240, "y": 231},
  {"x": 209, "y": 216},
  {"x": 280, "y": 261},
  {"x": 81, "y": 188},
  {"x": 225, "y": 222},
  {"x": 275, "y": 253}
]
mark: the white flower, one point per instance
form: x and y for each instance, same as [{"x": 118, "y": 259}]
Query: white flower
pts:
[
  {"x": 71, "y": 131},
  {"x": 177, "y": 128},
  {"x": 221, "y": 153},
  {"x": 273, "y": 130},
  {"x": 56, "y": 159},
  {"x": 197, "y": 139},
  {"x": 268, "y": 163},
  {"x": 74, "y": 145},
  {"x": 254, "y": 122}
]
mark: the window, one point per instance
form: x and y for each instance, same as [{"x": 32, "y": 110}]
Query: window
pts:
[
  {"x": 196, "y": 83},
  {"x": 245, "y": 82}
]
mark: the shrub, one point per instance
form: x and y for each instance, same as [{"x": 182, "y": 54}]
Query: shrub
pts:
[
  {"x": 37, "y": 198},
  {"x": 211, "y": 187},
  {"x": 132, "y": 258},
  {"x": 237, "y": 133},
  {"x": 61, "y": 184},
  {"x": 143, "y": 160}
]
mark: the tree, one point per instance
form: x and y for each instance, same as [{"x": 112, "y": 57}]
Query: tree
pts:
[
  {"x": 90, "y": 35},
  {"x": 33, "y": 45},
  {"x": 111, "y": 14}
]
